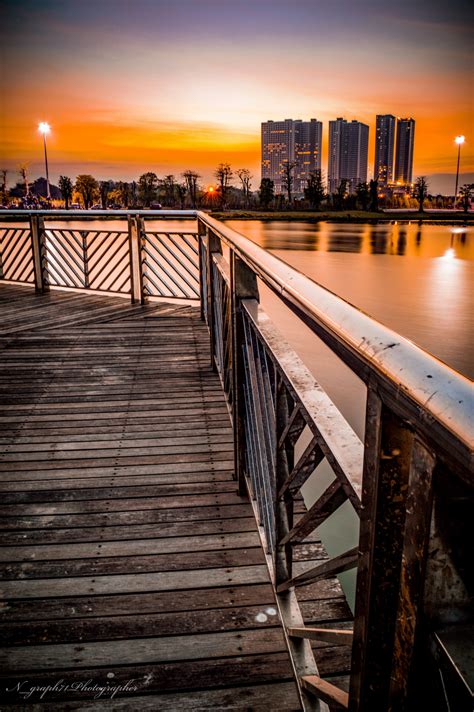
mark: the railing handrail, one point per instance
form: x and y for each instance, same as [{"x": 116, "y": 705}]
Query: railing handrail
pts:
[
  {"x": 78, "y": 213},
  {"x": 443, "y": 393}
]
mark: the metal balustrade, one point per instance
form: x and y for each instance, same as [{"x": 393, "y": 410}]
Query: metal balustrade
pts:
[{"x": 413, "y": 470}]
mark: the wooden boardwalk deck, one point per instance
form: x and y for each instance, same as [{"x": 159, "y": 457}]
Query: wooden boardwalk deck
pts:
[{"x": 128, "y": 560}]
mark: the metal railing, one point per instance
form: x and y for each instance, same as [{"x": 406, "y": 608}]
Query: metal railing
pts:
[{"x": 411, "y": 475}]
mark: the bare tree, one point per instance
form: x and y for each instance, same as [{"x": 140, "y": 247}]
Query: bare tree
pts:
[
  {"x": 23, "y": 171},
  {"x": 245, "y": 177},
  {"x": 421, "y": 191},
  {"x": 224, "y": 174},
  {"x": 191, "y": 178},
  {"x": 289, "y": 179}
]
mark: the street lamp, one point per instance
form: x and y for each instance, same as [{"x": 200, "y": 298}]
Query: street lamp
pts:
[
  {"x": 44, "y": 128},
  {"x": 459, "y": 140}
]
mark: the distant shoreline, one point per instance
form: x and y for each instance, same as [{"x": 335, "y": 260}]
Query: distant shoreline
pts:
[{"x": 349, "y": 216}]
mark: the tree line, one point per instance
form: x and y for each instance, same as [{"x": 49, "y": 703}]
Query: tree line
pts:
[{"x": 150, "y": 191}]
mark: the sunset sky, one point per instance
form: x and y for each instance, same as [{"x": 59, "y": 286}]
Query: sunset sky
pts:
[{"x": 164, "y": 85}]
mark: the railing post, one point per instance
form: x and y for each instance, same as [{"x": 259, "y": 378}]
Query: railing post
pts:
[
  {"x": 394, "y": 530},
  {"x": 38, "y": 243},
  {"x": 85, "y": 258},
  {"x": 202, "y": 271},
  {"x": 213, "y": 246},
  {"x": 243, "y": 285},
  {"x": 136, "y": 267},
  {"x": 284, "y": 458}
]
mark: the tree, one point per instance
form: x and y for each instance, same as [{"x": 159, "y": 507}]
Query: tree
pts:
[
  {"x": 314, "y": 191},
  {"x": 181, "y": 191},
  {"x": 105, "y": 186},
  {"x": 266, "y": 193},
  {"x": 374, "y": 195},
  {"x": 168, "y": 185},
  {"x": 23, "y": 171},
  {"x": 122, "y": 191},
  {"x": 363, "y": 195},
  {"x": 4, "y": 174},
  {"x": 191, "y": 178},
  {"x": 224, "y": 175},
  {"x": 66, "y": 188},
  {"x": 466, "y": 192},
  {"x": 340, "y": 194},
  {"x": 148, "y": 188},
  {"x": 245, "y": 177},
  {"x": 88, "y": 188},
  {"x": 421, "y": 191},
  {"x": 288, "y": 179}
]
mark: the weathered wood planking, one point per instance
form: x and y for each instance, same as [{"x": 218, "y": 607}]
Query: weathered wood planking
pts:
[{"x": 128, "y": 554}]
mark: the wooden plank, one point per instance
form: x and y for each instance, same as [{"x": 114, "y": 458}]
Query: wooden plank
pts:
[
  {"x": 327, "y": 635},
  {"x": 156, "y": 681},
  {"x": 142, "y": 650},
  {"x": 174, "y": 580},
  {"x": 325, "y": 691}
]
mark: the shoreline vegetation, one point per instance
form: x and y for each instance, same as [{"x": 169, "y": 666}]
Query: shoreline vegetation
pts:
[{"x": 349, "y": 216}]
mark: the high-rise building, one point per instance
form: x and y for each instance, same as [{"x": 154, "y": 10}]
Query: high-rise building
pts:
[
  {"x": 384, "y": 148},
  {"x": 404, "y": 151},
  {"x": 348, "y": 152},
  {"x": 291, "y": 141}
]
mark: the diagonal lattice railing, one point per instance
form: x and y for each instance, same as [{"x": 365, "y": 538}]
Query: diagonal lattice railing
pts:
[
  {"x": 16, "y": 255},
  {"x": 170, "y": 264}
]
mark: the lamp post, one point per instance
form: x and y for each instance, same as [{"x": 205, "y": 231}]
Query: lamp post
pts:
[
  {"x": 44, "y": 128},
  {"x": 459, "y": 140}
]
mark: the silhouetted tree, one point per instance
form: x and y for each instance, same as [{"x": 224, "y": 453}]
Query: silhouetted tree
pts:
[
  {"x": 148, "y": 188},
  {"x": 88, "y": 188},
  {"x": 363, "y": 195},
  {"x": 168, "y": 185},
  {"x": 122, "y": 193},
  {"x": 245, "y": 177},
  {"x": 466, "y": 195},
  {"x": 224, "y": 175},
  {"x": 23, "y": 171},
  {"x": 421, "y": 191},
  {"x": 266, "y": 192},
  {"x": 374, "y": 195},
  {"x": 4, "y": 174},
  {"x": 181, "y": 191},
  {"x": 340, "y": 194},
  {"x": 288, "y": 179},
  {"x": 105, "y": 186},
  {"x": 314, "y": 191},
  {"x": 66, "y": 188},
  {"x": 191, "y": 178}
]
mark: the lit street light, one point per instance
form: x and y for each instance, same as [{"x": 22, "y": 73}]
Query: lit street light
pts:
[
  {"x": 44, "y": 128},
  {"x": 459, "y": 140}
]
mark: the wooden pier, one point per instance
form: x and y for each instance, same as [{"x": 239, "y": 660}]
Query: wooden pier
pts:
[
  {"x": 156, "y": 549},
  {"x": 128, "y": 557}
]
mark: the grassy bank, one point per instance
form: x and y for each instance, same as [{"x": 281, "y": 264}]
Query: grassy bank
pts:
[{"x": 353, "y": 216}]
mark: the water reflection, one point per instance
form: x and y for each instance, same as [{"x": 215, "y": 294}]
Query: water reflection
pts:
[{"x": 410, "y": 239}]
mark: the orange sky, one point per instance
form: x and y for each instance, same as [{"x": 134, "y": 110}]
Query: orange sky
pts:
[{"x": 165, "y": 87}]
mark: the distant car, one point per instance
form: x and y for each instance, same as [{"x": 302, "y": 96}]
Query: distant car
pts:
[
  {"x": 155, "y": 206},
  {"x": 75, "y": 206},
  {"x": 97, "y": 206}
]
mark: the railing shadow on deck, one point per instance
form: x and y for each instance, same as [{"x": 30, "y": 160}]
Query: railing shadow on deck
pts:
[{"x": 410, "y": 481}]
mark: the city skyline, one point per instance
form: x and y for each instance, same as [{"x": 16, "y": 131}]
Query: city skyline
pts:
[{"x": 166, "y": 87}]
